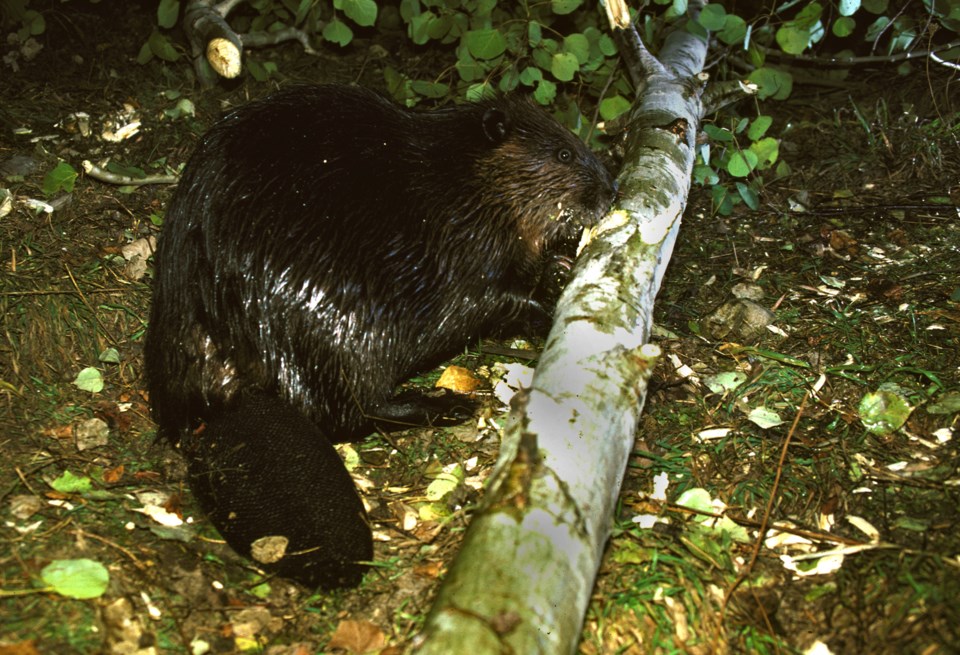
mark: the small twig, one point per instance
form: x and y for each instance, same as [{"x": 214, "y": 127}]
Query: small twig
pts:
[
  {"x": 943, "y": 62},
  {"x": 60, "y": 292},
  {"x": 866, "y": 59},
  {"x": 104, "y": 175},
  {"x": 86, "y": 302},
  {"x": 259, "y": 39},
  {"x": 82, "y": 533},
  {"x": 765, "y": 522}
]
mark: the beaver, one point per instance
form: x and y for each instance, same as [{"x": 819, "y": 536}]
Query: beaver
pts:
[{"x": 322, "y": 246}]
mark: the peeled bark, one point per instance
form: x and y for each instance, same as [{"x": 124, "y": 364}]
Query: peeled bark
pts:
[{"x": 523, "y": 578}]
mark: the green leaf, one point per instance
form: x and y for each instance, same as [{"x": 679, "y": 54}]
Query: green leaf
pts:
[
  {"x": 545, "y": 93},
  {"x": 765, "y": 418},
  {"x": 876, "y": 6},
  {"x": 444, "y": 484},
  {"x": 722, "y": 200},
  {"x": 741, "y": 163},
  {"x": 361, "y": 12},
  {"x": 145, "y": 54},
  {"x": 76, "y": 578},
  {"x": 772, "y": 83},
  {"x": 479, "y": 91},
  {"x": 534, "y": 33},
  {"x": 578, "y": 46},
  {"x": 883, "y": 411},
  {"x": 877, "y": 28},
  {"x": 469, "y": 68},
  {"x": 409, "y": 9},
  {"x": 705, "y": 175},
  {"x": 61, "y": 178},
  {"x": 564, "y": 7},
  {"x": 750, "y": 197},
  {"x": 734, "y": 30},
  {"x": 723, "y": 382},
  {"x": 678, "y": 7},
  {"x": 843, "y": 26},
  {"x": 68, "y": 483},
  {"x": 110, "y": 356},
  {"x": 713, "y": 17},
  {"x": 948, "y": 403},
  {"x": 418, "y": 27},
  {"x": 89, "y": 379},
  {"x": 719, "y": 134},
  {"x": 336, "y": 31},
  {"x": 167, "y": 13},
  {"x": 611, "y": 108},
  {"x": 485, "y": 44},
  {"x": 34, "y": 22},
  {"x": 759, "y": 127},
  {"x": 608, "y": 47},
  {"x": 767, "y": 150},
  {"x": 792, "y": 40},
  {"x": 351, "y": 458},
  {"x": 530, "y": 75},
  {"x": 564, "y": 66},
  {"x": 302, "y": 10},
  {"x": 808, "y": 16},
  {"x": 430, "y": 89},
  {"x": 161, "y": 47},
  {"x": 698, "y": 499},
  {"x": 439, "y": 28},
  {"x": 848, "y": 7}
]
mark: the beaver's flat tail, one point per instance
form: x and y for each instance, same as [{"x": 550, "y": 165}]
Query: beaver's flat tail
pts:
[{"x": 261, "y": 469}]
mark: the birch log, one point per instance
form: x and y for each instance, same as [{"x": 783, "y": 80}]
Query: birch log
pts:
[{"x": 523, "y": 578}]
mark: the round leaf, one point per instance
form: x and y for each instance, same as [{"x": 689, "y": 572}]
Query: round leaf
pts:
[
  {"x": 792, "y": 39},
  {"x": 76, "y": 578},
  {"x": 734, "y": 30},
  {"x": 59, "y": 179},
  {"x": 843, "y": 26},
  {"x": 110, "y": 356},
  {"x": 740, "y": 163},
  {"x": 485, "y": 44},
  {"x": 876, "y": 6},
  {"x": 723, "y": 382},
  {"x": 564, "y": 66},
  {"x": 713, "y": 17},
  {"x": 765, "y": 418},
  {"x": 848, "y": 7},
  {"x": 336, "y": 31},
  {"x": 759, "y": 127},
  {"x": 68, "y": 483},
  {"x": 89, "y": 379},
  {"x": 749, "y": 196},
  {"x": 772, "y": 83},
  {"x": 883, "y": 411},
  {"x": 563, "y": 7},
  {"x": 167, "y": 13},
  {"x": 767, "y": 150},
  {"x": 361, "y": 12},
  {"x": 611, "y": 108},
  {"x": 578, "y": 46}
]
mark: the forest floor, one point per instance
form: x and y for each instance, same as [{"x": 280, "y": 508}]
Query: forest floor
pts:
[{"x": 856, "y": 253}]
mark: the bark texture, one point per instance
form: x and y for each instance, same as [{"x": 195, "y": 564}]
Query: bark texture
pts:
[{"x": 523, "y": 579}]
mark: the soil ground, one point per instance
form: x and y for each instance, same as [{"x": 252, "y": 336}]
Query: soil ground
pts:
[{"x": 856, "y": 253}]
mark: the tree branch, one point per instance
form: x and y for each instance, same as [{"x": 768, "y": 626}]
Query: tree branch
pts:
[{"x": 523, "y": 578}]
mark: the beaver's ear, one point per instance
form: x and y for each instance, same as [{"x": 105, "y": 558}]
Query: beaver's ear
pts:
[{"x": 496, "y": 125}]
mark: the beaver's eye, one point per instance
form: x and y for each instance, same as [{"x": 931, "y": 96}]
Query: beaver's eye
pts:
[{"x": 564, "y": 155}]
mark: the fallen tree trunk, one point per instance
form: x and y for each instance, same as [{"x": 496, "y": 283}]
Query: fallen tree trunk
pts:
[{"x": 523, "y": 578}]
